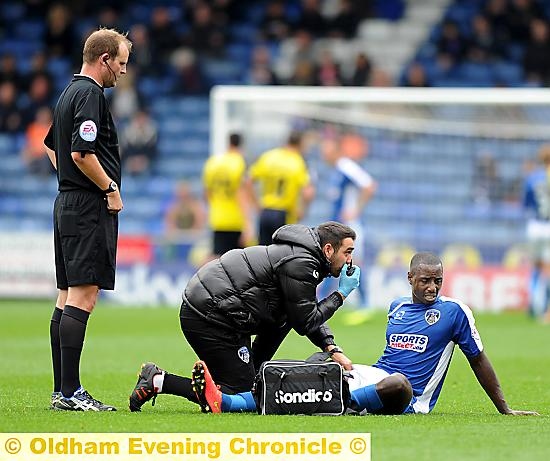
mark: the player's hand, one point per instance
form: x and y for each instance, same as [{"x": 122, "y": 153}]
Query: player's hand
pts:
[
  {"x": 114, "y": 202},
  {"x": 348, "y": 283},
  {"x": 342, "y": 359},
  {"x": 522, "y": 413}
]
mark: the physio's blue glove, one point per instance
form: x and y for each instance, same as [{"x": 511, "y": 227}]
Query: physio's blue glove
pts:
[{"x": 348, "y": 283}]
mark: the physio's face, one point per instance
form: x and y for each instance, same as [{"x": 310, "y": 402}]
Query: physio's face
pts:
[
  {"x": 426, "y": 281},
  {"x": 339, "y": 258}
]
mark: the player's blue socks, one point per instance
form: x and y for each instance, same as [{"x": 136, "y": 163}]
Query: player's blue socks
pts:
[
  {"x": 238, "y": 402},
  {"x": 366, "y": 398}
]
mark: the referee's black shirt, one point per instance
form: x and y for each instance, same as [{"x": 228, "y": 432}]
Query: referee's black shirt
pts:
[{"x": 82, "y": 123}]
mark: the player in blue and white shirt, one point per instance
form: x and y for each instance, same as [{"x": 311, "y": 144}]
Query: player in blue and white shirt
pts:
[
  {"x": 421, "y": 335},
  {"x": 349, "y": 189},
  {"x": 536, "y": 202}
]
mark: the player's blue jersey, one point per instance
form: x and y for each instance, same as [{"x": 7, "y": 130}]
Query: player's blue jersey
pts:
[
  {"x": 420, "y": 340},
  {"x": 345, "y": 183},
  {"x": 536, "y": 197}
]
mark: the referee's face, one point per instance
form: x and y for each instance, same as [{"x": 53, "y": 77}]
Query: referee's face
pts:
[{"x": 116, "y": 67}]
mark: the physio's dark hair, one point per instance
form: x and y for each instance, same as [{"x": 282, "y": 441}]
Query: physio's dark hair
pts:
[
  {"x": 334, "y": 232},
  {"x": 426, "y": 258},
  {"x": 235, "y": 140}
]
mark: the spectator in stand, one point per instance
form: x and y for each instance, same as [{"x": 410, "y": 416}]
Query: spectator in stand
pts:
[
  {"x": 275, "y": 25},
  {"x": 39, "y": 68},
  {"x": 415, "y": 76},
  {"x": 451, "y": 45},
  {"x": 311, "y": 18},
  {"x": 496, "y": 14},
  {"x": 380, "y": 78},
  {"x": 328, "y": 71},
  {"x": 8, "y": 69},
  {"x": 164, "y": 38},
  {"x": 59, "y": 36},
  {"x": 10, "y": 115},
  {"x": 188, "y": 78},
  {"x": 139, "y": 144},
  {"x": 39, "y": 95},
  {"x": 520, "y": 15},
  {"x": 362, "y": 72},
  {"x": 34, "y": 153},
  {"x": 126, "y": 100},
  {"x": 487, "y": 186},
  {"x": 344, "y": 24},
  {"x": 483, "y": 46},
  {"x": 304, "y": 74},
  {"x": 185, "y": 212},
  {"x": 536, "y": 60},
  {"x": 260, "y": 72},
  {"x": 142, "y": 56},
  {"x": 205, "y": 36}
]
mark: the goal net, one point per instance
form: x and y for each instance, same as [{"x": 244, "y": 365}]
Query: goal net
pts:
[{"x": 449, "y": 163}]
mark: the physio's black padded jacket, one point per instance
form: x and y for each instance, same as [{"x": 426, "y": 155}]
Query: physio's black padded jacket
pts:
[{"x": 268, "y": 288}]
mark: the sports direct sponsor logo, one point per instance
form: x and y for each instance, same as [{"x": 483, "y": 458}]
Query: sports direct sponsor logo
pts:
[
  {"x": 416, "y": 343},
  {"x": 309, "y": 396},
  {"x": 88, "y": 130}
]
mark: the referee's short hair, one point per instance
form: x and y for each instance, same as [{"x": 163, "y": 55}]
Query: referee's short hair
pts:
[
  {"x": 334, "y": 232},
  {"x": 104, "y": 41}
]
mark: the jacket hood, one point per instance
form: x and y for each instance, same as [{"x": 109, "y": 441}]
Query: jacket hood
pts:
[{"x": 298, "y": 234}]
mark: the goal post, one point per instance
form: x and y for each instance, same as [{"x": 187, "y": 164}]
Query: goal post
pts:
[{"x": 449, "y": 163}]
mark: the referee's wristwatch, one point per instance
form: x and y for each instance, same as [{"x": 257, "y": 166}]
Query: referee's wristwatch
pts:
[
  {"x": 112, "y": 188},
  {"x": 336, "y": 350}
]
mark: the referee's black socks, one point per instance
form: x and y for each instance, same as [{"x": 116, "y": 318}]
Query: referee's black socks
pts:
[
  {"x": 72, "y": 330},
  {"x": 56, "y": 350}
]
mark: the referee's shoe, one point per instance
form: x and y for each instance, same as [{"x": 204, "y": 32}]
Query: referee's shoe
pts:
[
  {"x": 144, "y": 389},
  {"x": 81, "y": 400},
  {"x": 208, "y": 394}
]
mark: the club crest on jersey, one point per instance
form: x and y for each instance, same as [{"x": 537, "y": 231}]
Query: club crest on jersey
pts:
[
  {"x": 432, "y": 316},
  {"x": 243, "y": 354},
  {"x": 88, "y": 130}
]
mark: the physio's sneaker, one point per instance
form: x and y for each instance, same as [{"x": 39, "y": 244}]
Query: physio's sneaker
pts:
[
  {"x": 56, "y": 396},
  {"x": 81, "y": 400},
  {"x": 208, "y": 394},
  {"x": 144, "y": 389}
]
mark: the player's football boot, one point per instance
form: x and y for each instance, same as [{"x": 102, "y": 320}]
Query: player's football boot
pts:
[
  {"x": 144, "y": 389},
  {"x": 81, "y": 400},
  {"x": 56, "y": 396},
  {"x": 208, "y": 394}
]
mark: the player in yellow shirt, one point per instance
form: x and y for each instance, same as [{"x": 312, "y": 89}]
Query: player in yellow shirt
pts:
[
  {"x": 227, "y": 196},
  {"x": 284, "y": 186}
]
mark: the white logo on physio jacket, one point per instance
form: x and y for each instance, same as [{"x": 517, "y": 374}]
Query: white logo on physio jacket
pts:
[
  {"x": 88, "y": 130},
  {"x": 315, "y": 274},
  {"x": 309, "y": 396},
  {"x": 243, "y": 354}
]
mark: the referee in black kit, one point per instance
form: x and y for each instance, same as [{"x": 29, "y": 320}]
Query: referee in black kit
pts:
[{"x": 82, "y": 145}]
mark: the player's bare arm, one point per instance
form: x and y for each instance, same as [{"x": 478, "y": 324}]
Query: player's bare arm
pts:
[
  {"x": 486, "y": 376},
  {"x": 90, "y": 166}
]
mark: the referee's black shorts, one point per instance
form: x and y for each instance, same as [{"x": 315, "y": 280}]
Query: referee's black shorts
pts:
[
  {"x": 270, "y": 220},
  {"x": 226, "y": 352},
  {"x": 225, "y": 241},
  {"x": 85, "y": 240}
]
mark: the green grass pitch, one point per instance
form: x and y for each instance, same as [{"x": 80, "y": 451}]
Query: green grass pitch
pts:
[{"x": 463, "y": 426}]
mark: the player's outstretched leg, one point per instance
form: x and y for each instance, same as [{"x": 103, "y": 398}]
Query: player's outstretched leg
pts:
[
  {"x": 208, "y": 394},
  {"x": 144, "y": 389}
]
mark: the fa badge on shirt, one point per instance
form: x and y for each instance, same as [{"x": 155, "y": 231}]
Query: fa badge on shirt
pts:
[{"x": 432, "y": 316}]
